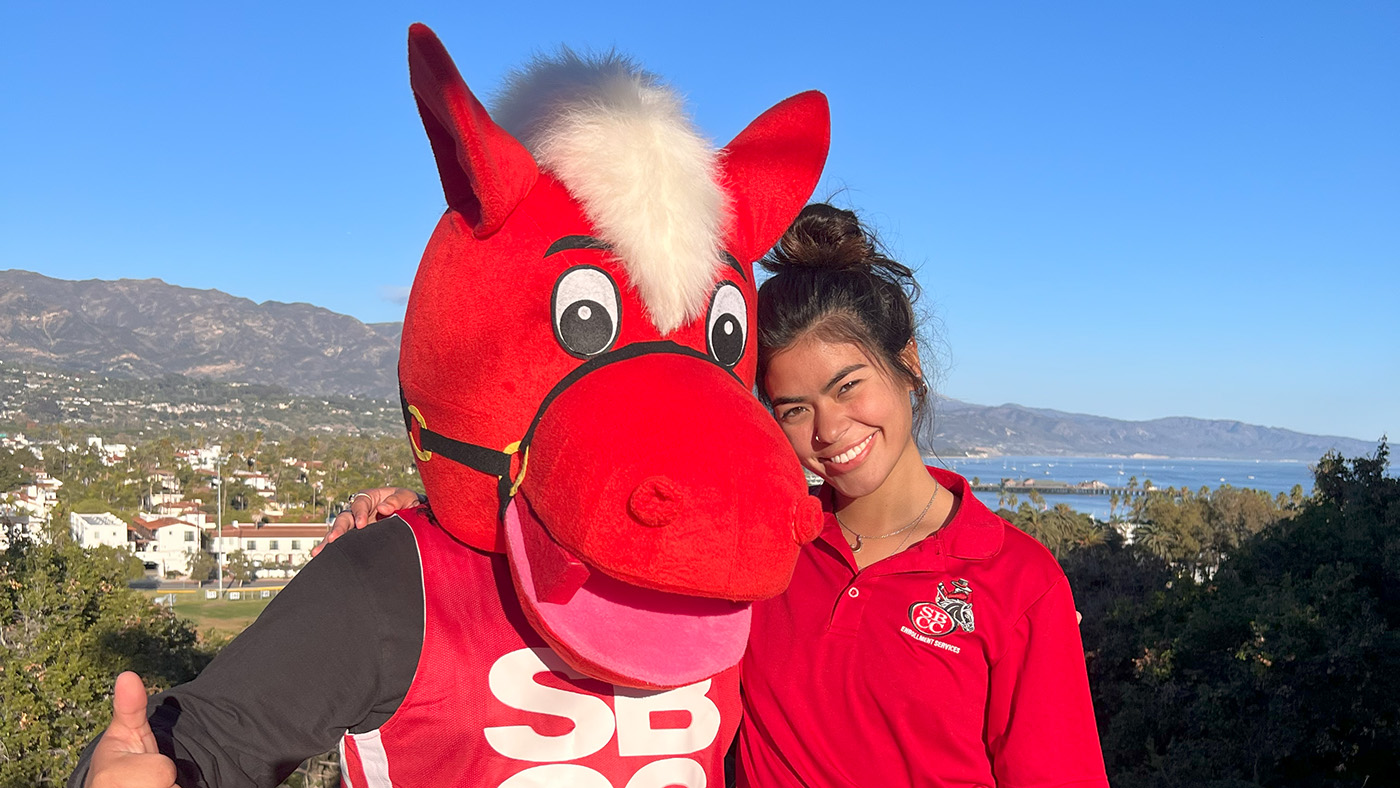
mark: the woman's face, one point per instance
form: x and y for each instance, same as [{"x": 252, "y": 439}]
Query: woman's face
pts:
[{"x": 847, "y": 418}]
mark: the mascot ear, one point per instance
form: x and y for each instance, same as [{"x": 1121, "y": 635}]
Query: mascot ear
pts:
[
  {"x": 485, "y": 171},
  {"x": 771, "y": 169}
]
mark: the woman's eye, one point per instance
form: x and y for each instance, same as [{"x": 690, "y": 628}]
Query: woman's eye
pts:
[{"x": 848, "y": 385}]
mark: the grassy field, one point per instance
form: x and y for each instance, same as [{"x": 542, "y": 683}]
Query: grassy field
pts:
[{"x": 227, "y": 616}]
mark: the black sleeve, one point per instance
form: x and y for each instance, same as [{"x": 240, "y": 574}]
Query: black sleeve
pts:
[{"x": 335, "y": 650}]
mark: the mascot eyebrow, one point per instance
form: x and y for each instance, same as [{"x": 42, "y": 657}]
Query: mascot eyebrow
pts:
[{"x": 571, "y": 242}]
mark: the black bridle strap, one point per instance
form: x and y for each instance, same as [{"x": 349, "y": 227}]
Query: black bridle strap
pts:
[
  {"x": 492, "y": 462},
  {"x": 495, "y": 462}
]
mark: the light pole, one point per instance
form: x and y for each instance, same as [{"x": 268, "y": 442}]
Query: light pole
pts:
[{"x": 219, "y": 534}]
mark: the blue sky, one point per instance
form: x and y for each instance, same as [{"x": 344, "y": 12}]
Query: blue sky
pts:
[{"x": 1128, "y": 209}]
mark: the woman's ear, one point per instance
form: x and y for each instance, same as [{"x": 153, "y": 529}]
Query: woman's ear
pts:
[{"x": 910, "y": 358}]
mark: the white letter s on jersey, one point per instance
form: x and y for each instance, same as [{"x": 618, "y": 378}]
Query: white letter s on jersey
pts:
[{"x": 512, "y": 681}]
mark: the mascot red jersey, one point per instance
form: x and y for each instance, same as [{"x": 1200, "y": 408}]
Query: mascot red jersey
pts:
[{"x": 607, "y": 495}]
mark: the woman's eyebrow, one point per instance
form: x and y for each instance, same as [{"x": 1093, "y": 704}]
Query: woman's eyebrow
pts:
[{"x": 843, "y": 372}]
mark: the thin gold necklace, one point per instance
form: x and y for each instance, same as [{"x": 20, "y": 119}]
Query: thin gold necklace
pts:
[{"x": 860, "y": 540}]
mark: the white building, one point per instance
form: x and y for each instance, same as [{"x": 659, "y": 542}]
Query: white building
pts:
[
  {"x": 36, "y": 498},
  {"x": 111, "y": 453},
  {"x": 20, "y": 524},
  {"x": 188, "y": 511},
  {"x": 157, "y": 498},
  {"x": 91, "y": 530},
  {"x": 173, "y": 543},
  {"x": 206, "y": 459},
  {"x": 260, "y": 482},
  {"x": 272, "y": 543}
]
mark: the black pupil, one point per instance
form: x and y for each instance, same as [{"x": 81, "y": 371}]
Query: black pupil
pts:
[
  {"x": 727, "y": 340},
  {"x": 586, "y": 327}
]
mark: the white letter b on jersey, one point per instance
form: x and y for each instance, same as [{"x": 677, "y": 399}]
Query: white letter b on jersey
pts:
[{"x": 635, "y": 736}]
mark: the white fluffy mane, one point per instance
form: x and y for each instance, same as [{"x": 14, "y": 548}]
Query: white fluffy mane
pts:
[{"x": 621, "y": 143}]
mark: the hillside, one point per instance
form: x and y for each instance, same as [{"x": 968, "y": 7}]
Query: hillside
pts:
[
  {"x": 145, "y": 328},
  {"x": 1013, "y": 429}
]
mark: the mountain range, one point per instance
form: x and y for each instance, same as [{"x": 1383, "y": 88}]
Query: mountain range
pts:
[
  {"x": 1014, "y": 429},
  {"x": 147, "y": 329}
]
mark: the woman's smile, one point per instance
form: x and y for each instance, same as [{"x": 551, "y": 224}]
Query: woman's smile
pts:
[{"x": 848, "y": 459}]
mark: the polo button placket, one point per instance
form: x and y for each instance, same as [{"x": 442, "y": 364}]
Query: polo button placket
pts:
[{"x": 850, "y": 606}]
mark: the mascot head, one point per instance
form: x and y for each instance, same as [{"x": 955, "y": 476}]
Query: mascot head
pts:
[{"x": 578, "y": 357}]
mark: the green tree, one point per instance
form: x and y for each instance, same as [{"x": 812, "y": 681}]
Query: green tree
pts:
[
  {"x": 239, "y": 495},
  {"x": 1037, "y": 500},
  {"x": 68, "y": 625},
  {"x": 239, "y": 567},
  {"x": 14, "y": 468},
  {"x": 1280, "y": 668},
  {"x": 202, "y": 565}
]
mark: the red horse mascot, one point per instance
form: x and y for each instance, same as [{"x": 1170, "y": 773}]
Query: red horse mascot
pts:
[{"x": 607, "y": 496}]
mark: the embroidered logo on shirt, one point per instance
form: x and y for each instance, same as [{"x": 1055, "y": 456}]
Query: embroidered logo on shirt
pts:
[{"x": 950, "y": 611}]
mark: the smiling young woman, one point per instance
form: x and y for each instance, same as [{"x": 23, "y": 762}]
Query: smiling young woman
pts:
[{"x": 923, "y": 640}]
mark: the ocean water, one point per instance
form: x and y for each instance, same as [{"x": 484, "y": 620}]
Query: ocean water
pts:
[{"x": 1272, "y": 476}]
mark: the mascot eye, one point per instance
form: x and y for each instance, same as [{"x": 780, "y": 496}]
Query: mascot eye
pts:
[
  {"x": 585, "y": 307},
  {"x": 727, "y": 326}
]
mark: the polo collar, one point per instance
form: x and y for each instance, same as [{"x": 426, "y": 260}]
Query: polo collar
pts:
[{"x": 974, "y": 533}]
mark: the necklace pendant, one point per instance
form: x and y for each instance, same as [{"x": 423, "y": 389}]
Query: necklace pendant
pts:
[{"x": 855, "y": 548}]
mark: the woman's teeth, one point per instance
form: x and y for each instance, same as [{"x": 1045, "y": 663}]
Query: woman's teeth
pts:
[{"x": 850, "y": 454}]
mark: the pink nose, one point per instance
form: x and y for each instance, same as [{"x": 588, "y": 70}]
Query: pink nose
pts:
[{"x": 656, "y": 501}]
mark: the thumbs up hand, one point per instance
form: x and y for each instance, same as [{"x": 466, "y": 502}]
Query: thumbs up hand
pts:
[{"x": 127, "y": 756}]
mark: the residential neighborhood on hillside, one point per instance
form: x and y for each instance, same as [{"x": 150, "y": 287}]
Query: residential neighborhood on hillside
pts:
[{"x": 174, "y": 530}]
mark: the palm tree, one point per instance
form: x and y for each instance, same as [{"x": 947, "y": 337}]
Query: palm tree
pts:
[
  {"x": 1038, "y": 500},
  {"x": 1155, "y": 540}
]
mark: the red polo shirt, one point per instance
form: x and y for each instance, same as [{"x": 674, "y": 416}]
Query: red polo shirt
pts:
[{"x": 956, "y": 662}]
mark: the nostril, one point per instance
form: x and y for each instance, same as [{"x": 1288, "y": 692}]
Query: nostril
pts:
[
  {"x": 656, "y": 502},
  {"x": 807, "y": 519}
]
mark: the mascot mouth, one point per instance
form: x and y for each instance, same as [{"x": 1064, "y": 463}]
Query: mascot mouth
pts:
[{"x": 614, "y": 630}]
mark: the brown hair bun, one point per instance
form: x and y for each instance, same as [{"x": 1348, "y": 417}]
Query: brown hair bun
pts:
[{"x": 823, "y": 236}]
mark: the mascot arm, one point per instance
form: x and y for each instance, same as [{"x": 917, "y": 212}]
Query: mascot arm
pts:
[{"x": 336, "y": 649}]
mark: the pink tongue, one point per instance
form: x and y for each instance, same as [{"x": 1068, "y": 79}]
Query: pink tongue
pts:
[{"x": 650, "y": 637}]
